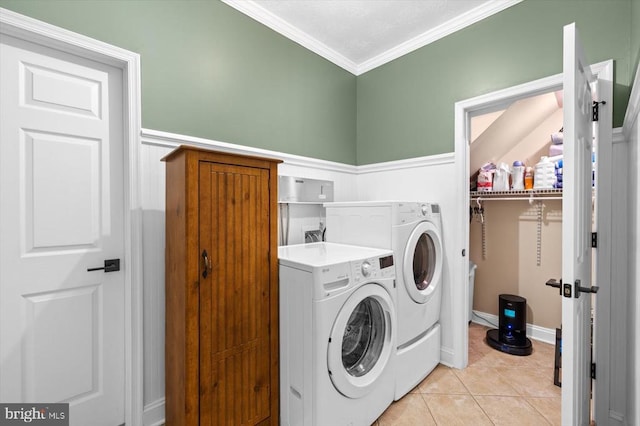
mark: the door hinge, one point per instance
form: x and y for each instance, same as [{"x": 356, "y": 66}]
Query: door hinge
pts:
[
  {"x": 593, "y": 370},
  {"x": 596, "y": 107},
  {"x": 594, "y": 240}
]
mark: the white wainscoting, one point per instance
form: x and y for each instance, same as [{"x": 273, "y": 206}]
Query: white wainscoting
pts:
[
  {"x": 618, "y": 350},
  {"x": 152, "y": 200},
  {"x": 428, "y": 179},
  {"x": 156, "y": 145},
  {"x": 632, "y": 371}
]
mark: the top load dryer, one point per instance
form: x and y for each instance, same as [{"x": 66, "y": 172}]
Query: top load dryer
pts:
[{"x": 413, "y": 230}]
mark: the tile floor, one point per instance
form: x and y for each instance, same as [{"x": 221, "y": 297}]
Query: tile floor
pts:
[{"x": 494, "y": 389}]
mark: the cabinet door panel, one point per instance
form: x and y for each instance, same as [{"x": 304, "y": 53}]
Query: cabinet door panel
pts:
[{"x": 234, "y": 296}]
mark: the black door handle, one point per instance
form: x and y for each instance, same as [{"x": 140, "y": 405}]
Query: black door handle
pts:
[
  {"x": 110, "y": 265},
  {"x": 555, "y": 284},
  {"x": 579, "y": 289}
]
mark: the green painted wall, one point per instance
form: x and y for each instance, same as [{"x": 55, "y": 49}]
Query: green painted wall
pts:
[
  {"x": 405, "y": 107},
  {"x": 210, "y": 71}
]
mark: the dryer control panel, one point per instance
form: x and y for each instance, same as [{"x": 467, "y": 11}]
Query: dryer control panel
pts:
[
  {"x": 412, "y": 212},
  {"x": 373, "y": 268}
]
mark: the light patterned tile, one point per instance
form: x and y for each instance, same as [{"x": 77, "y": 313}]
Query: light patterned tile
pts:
[
  {"x": 491, "y": 373},
  {"x": 477, "y": 331},
  {"x": 485, "y": 381},
  {"x": 550, "y": 408},
  {"x": 495, "y": 358},
  {"x": 411, "y": 410},
  {"x": 506, "y": 410},
  {"x": 474, "y": 357},
  {"x": 442, "y": 380},
  {"x": 480, "y": 346},
  {"x": 543, "y": 354},
  {"x": 456, "y": 410},
  {"x": 531, "y": 381}
]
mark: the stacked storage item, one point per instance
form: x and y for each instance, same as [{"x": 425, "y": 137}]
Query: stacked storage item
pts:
[
  {"x": 559, "y": 165},
  {"x": 557, "y": 146},
  {"x": 485, "y": 177},
  {"x": 544, "y": 176}
]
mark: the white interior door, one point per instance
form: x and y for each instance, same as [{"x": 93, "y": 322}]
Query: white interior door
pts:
[
  {"x": 61, "y": 213},
  {"x": 604, "y": 336},
  {"x": 576, "y": 233}
]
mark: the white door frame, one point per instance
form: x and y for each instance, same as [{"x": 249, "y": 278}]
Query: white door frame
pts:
[
  {"x": 464, "y": 110},
  {"x": 38, "y": 32}
]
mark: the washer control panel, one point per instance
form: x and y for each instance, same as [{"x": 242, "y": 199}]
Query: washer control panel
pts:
[{"x": 374, "y": 268}]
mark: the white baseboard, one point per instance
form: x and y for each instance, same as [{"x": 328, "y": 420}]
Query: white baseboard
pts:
[
  {"x": 535, "y": 332},
  {"x": 446, "y": 356},
  {"x": 153, "y": 414}
]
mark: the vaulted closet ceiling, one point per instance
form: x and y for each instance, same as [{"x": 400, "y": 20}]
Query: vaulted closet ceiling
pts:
[{"x": 520, "y": 132}]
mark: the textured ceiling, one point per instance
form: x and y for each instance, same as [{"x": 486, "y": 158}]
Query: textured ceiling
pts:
[
  {"x": 359, "y": 31},
  {"x": 362, "y": 29}
]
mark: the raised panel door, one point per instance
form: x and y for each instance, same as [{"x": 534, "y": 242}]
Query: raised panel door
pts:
[{"x": 62, "y": 334}]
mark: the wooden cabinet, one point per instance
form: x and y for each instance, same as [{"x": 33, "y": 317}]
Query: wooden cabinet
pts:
[{"x": 221, "y": 289}]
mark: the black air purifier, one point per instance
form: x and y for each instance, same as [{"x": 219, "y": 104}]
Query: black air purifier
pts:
[{"x": 511, "y": 336}]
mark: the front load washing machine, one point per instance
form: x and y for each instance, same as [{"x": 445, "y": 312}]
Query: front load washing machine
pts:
[
  {"x": 413, "y": 230},
  {"x": 337, "y": 334}
]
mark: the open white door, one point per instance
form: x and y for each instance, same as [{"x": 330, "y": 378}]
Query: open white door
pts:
[
  {"x": 576, "y": 233},
  {"x": 605, "y": 345}
]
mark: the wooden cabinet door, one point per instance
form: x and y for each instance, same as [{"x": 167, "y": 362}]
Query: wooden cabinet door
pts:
[{"x": 234, "y": 312}]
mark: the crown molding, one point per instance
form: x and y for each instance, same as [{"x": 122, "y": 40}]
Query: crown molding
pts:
[
  {"x": 260, "y": 14},
  {"x": 282, "y": 27},
  {"x": 469, "y": 18}
]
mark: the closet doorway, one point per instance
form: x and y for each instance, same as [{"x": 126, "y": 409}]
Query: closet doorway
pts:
[
  {"x": 515, "y": 235},
  {"x": 465, "y": 111}
]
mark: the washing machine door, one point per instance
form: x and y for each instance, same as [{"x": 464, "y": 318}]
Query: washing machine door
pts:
[
  {"x": 422, "y": 268},
  {"x": 362, "y": 341}
]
